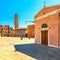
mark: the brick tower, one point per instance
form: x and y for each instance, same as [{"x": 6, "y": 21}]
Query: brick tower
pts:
[{"x": 16, "y": 21}]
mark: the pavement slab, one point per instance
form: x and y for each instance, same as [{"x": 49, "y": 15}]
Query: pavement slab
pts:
[{"x": 39, "y": 52}]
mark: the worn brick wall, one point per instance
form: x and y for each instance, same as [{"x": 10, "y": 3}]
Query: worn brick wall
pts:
[
  {"x": 0, "y": 30},
  {"x": 52, "y": 22},
  {"x": 59, "y": 30},
  {"x": 31, "y": 31},
  {"x": 5, "y": 30}
]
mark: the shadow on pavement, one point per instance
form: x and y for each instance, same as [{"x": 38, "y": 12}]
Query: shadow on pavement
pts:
[{"x": 40, "y": 52}]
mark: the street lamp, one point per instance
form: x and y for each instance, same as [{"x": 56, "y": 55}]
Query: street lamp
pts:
[{"x": 30, "y": 21}]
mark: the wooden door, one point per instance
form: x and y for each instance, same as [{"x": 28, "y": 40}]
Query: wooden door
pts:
[{"x": 44, "y": 37}]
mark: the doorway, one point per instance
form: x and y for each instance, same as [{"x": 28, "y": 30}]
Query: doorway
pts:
[{"x": 44, "y": 37}]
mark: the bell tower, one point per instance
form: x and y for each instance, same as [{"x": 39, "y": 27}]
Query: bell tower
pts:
[{"x": 16, "y": 21}]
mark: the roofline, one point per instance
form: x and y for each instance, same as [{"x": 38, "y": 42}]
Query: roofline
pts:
[
  {"x": 46, "y": 7},
  {"x": 20, "y": 28},
  {"x": 31, "y": 24},
  {"x": 52, "y": 5},
  {"x": 48, "y": 14}
]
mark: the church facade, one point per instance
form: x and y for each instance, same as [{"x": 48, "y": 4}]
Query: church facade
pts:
[{"x": 47, "y": 26}]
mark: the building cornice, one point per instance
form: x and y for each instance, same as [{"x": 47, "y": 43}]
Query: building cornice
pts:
[{"x": 48, "y": 14}]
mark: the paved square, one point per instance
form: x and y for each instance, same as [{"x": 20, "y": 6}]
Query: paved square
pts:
[{"x": 12, "y": 48}]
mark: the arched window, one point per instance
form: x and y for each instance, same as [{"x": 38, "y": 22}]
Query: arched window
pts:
[{"x": 44, "y": 25}]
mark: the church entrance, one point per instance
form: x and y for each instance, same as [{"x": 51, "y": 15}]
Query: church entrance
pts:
[
  {"x": 44, "y": 37},
  {"x": 44, "y": 34}
]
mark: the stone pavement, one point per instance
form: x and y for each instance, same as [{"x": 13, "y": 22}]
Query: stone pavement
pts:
[
  {"x": 39, "y": 52},
  {"x": 7, "y": 49}
]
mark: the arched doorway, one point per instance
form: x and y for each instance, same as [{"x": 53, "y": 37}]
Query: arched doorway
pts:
[{"x": 44, "y": 34}]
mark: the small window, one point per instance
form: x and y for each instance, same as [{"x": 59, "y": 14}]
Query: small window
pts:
[
  {"x": 44, "y": 25},
  {"x": 4, "y": 28},
  {"x": 59, "y": 13}
]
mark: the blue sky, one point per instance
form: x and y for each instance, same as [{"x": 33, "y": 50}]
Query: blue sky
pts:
[{"x": 26, "y": 10}]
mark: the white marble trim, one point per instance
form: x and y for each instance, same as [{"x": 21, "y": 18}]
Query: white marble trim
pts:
[{"x": 54, "y": 46}]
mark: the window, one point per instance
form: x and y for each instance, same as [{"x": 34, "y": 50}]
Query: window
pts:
[
  {"x": 8, "y": 28},
  {"x": 4, "y": 28},
  {"x": 44, "y": 25},
  {"x": 59, "y": 13},
  {"x": 8, "y": 31}
]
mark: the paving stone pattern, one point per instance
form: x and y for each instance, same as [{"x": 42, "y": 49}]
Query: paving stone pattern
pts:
[{"x": 39, "y": 52}]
